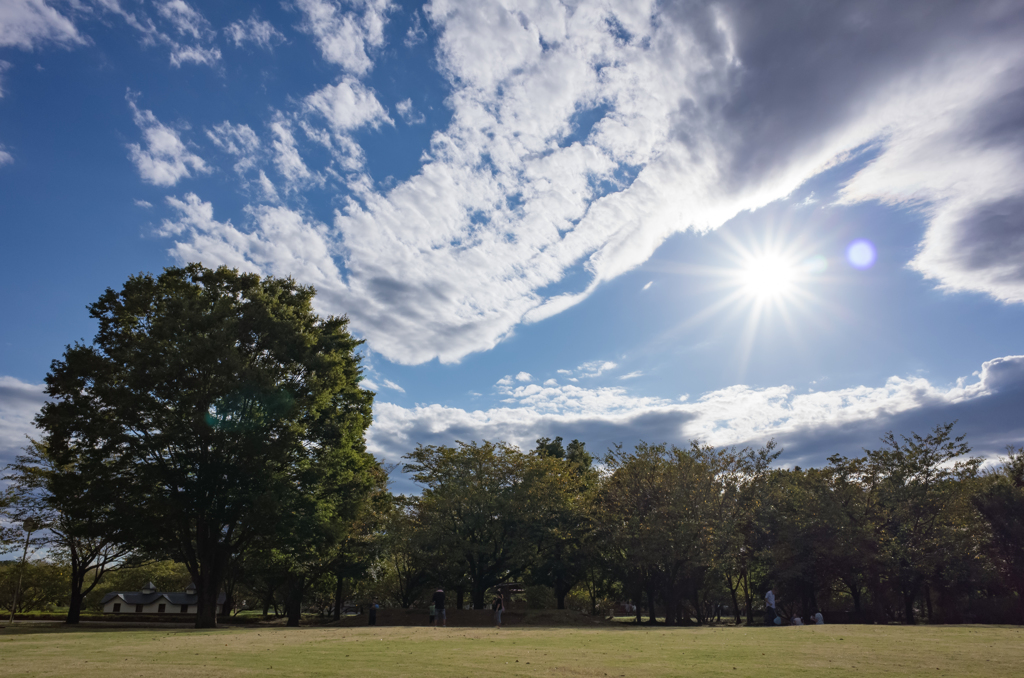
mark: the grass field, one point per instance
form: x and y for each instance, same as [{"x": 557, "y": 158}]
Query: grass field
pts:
[{"x": 614, "y": 651}]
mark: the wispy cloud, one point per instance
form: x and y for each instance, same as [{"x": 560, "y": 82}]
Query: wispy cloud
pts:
[
  {"x": 632, "y": 375},
  {"x": 348, "y": 105},
  {"x": 595, "y": 368},
  {"x": 172, "y": 16},
  {"x": 31, "y": 23},
  {"x": 410, "y": 115},
  {"x": 238, "y": 140},
  {"x": 260, "y": 33},
  {"x": 393, "y": 386},
  {"x": 165, "y": 159},
  {"x": 346, "y": 38}
]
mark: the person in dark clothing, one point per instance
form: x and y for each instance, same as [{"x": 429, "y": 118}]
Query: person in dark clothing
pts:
[
  {"x": 439, "y": 615},
  {"x": 498, "y": 606},
  {"x": 373, "y": 613}
]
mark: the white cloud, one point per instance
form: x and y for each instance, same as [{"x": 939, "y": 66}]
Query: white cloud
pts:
[
  {"x": 194, "y": 54},
  {"x": 238, "y": 140},
  {"x": 287, "y": 159},
  {"x": 524, "y": 376},
  {"x": 551, "y": 383},
  {"x": 701, "y": 113},
  {"x": 30, "y": 23},
  {"x": 812, "y": 425},
  {"x": 647, "y": 286},
  {"x": 261, "y": 33},
  {"x": 165, "y": 158},
  {"x": 4, "y": 66},
  {"x": 347, "y": 106},
  {"x": 409, "y": 114},
  {"x": 19, "y": 403},
  {"x": 145, "y": 204},
  {"x": 345, "y": 38},
  {"x": 595, "y": 368},
  {"x": 392, "y": 385},
  {"x": 5, "y": 157},
  {"x": 185, "y": 19},
  {"x": 369, "y": 384},
  {"x": 266, "y": 243},
  {"x": 268, "y": 189},
  {"x": 415, "y": 34},
  {"x": 632, "y": 375}
]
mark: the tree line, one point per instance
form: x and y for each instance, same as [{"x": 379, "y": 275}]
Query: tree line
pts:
[{"x": 215, "y": 428}]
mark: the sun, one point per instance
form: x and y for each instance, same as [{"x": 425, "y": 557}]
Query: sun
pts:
[{"x": 768, "y": 276}]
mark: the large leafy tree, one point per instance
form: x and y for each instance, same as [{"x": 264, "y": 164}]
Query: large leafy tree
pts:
[
  {"x": 917, "y": 489},
  {"x": 474, "y": 512},
  {"x": 562, "y": 491},
  {"x": 1001, "y": 502},
  {"x": 220, "y": 403}
]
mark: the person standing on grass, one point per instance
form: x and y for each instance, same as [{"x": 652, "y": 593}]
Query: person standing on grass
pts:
[
  {"x": 432, "y": 612},
  {"x": 769, "y": 607},
  {"x": 373, "y": 613},
  {"x": 498, "y": 606},
  {"x": 439, "y": 608}
]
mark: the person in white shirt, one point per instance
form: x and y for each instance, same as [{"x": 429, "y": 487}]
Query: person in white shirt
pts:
[
  {"x": 769, "y": 607},
  {"x": 796, "y": 621},
  {"x": 817, "y": 618}
]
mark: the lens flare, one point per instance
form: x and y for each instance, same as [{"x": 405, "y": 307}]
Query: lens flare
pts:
[{"x": 861, "y": 254}]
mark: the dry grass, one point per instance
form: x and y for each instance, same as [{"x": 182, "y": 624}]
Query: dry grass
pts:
[{"x": 606, "y": 651}]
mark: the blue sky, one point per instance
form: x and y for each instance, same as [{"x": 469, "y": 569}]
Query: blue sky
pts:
[{"x": 604, "y": 220}]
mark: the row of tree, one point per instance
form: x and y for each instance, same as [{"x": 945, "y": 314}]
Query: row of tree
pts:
[
  {"x": 217, "y": 422},
  {"x": 886, "y": 536}
]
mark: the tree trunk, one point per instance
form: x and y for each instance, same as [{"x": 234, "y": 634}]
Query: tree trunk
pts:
[
  {"x": 338, "y": 598},
  {"x": 460, "y": 598},
  {"x": 206, "y": 607},
  {"x": 211, "y": 565},
  {"x": 908, "y": 607},
  {"x": 560, "y": 594},
  {"x": 735, "y": 601},
  {"x": 928, "y": 602},
  {"x": 855, "y": 594},
  {"x": 294, "y": 588},
  {"x": 75, "y": 601},
  {"x": 749, "y": 602},
  {"x": 650, "y": 602},
  {"x": 479, "y": 592}
]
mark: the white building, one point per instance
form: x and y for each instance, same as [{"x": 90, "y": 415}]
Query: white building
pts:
[{"x": 151, "y": 601}]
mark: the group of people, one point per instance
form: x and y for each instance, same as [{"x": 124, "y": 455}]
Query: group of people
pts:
[
  {"x": 773, "y": 618},
  {"x": 437, "y": 610}
]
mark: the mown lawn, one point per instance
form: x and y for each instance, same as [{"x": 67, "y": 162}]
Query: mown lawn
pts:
[{"x": 473, "y": 652}]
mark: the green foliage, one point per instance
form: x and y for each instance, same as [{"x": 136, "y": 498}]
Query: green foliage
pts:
[
  {"x": 227, "y": 411},
  {"x": 44, "y": 585},
  {"x": 475, "y": 512},
  {"x": 1001, "y": 503}
]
